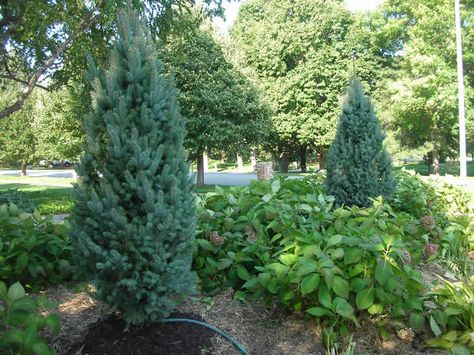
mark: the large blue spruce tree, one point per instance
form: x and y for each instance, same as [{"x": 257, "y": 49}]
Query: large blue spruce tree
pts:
[
  {"x": 358, "y": 166},
  {"x": 134, "y": 219}
]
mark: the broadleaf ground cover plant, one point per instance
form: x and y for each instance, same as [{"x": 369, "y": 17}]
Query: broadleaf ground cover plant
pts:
[
  {"x": 284, "y": 240},
  {"x": 33, "y": 250},
  {"x": 22, "y": 324}
]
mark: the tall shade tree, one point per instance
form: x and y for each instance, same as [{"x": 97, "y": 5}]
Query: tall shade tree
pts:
[
  {"x": 301, "y": 53},
  {"x": 358, "y": 167},
  {"x": 59, "y": 116},
  {"x": 45, "y": 38},
  {"x": 134, "y": 219},
  {"x": 18, "y": 141},
  {"x": 221, "y": 107},
  {"x": 422, "y": 97}
]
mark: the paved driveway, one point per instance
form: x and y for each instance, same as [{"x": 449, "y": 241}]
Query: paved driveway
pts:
[
  {"x": 55, "y": 173},
  {"x": 233, "y": 179}
]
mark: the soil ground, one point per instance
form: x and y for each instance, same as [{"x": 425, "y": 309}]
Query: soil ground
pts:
[{"x": 86, "y": 329}]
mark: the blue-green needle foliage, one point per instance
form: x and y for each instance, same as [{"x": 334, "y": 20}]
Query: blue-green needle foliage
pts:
[
  {"x": 134, "y": 219},
  {"x": 358, "y": 166}
]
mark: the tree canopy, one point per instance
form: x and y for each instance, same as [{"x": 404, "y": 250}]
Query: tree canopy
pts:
[
  {"x": 43, "y": 43},
  {"x": 302, "y": 55}
]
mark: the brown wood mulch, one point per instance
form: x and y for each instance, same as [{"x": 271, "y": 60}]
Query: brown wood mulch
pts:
[{"x": 87, "y": 329}]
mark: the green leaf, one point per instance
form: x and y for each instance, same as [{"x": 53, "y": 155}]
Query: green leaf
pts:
[
  {"x": 451, "y": 335},
  {"x": 307, "y": 266},
  {"x": 15, "y": 292},
  {"x": 224, "y": 263},
  {"x": 343, "y": 308},
  {"x": 328, "y": 275},
  {"x": 340, "y": 287},
  {"x": 353, "y": 255},
  {"x": 306, "y": 208},
  {"x": 337, "y": 254},
  {"x": 3, "y": 291},
  {"x": 243, "y": 273},
  {"x": 417, "y": 322},
  {"x": 434, "y": 327},
  {"x": 383, "y": 272},
  {"x": 42, "y": 348},
  {"x": 355, "y": 270},
  {"x": 276, "y": 186},
  {"x": 451, "y": 311},
  {"x": 309, "y": 284},
  {"x": 280, "y": 269},
  {"x": 334, "y": 240},
  {"x": 21, "y": 263},
  {"x": 289, "y": 259},
  {"x": 252, "y": 283},
  {"x": 30, "y": 334},
  {"x": 14, "y": 336},
  {"x": 375, "y": 309},
  {"x": 24, "y": 303},
  {"x": 365, "y": 298},
  {"x": 324, "y": 297},
  {"x": 459, "y": 349},
  {"x": 439, "y": 343},
  {"x": 52, "y": 322},
  {"x": 318, "y": 311},
  {"x": 273, "y": 286}
]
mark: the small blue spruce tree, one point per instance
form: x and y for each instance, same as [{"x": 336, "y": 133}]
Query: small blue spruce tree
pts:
[
  {"x": 134, "y": 218},
  {"x": 358, "y": 166}
]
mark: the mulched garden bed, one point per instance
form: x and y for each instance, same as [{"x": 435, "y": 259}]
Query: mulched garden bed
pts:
[
  {"x": 110, "y": 337},
  {"x": 86, "y": 329}
]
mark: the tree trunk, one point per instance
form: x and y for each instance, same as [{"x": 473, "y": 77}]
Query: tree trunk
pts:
[
  {"x": 200, "y": 170},
  {"x": 322, "y": 159},
  {"x": 435, "y": 155},
  {"x": 303, "y": 166},
  {"x": 284, "y": 162},
  {"x": 240, "y": 163},
  {"x": 253, "y": 159},
  {"x": 23, "y": 169},
  {"x": 205, "y": 162}
]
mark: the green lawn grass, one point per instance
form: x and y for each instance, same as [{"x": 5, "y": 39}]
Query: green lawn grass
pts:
[
  {"x": 60, "y": 199},
  {"x": 448, "y": 168},
  {"x": 35, "y": 180},
  {"x": 48, "y": 199}
]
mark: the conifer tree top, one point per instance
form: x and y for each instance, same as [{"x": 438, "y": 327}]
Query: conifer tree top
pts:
[{"x": 359, "y": 168}]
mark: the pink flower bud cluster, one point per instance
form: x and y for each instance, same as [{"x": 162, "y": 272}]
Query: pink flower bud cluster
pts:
[
  {"x": 216, "y": 239},
  {"x": 431, "y": 249},
  {"x": 428, "y": 223}
]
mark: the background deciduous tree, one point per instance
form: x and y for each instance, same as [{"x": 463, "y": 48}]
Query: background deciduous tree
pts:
[
  {"x": 221, "y": 107},
  {"x": 301, "y": 55},
  {"x": 43, "y": 43}
]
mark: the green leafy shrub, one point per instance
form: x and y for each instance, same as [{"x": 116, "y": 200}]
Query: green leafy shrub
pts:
[
  {"x": 456, "y": 243},
  {"x": 134, "y": 217},
  {"x": 33, "y": 250},
  {"x": 18, "y": 198},
  {"x": 21, "y": 322},
  {"x": 452, "y": 319},
  {"x": 285, "y": 240}
]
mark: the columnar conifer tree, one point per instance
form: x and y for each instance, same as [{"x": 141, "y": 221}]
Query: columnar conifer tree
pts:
[
  {"x": 358, "y": 166},
  {"x": 134, "y": 219}
]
